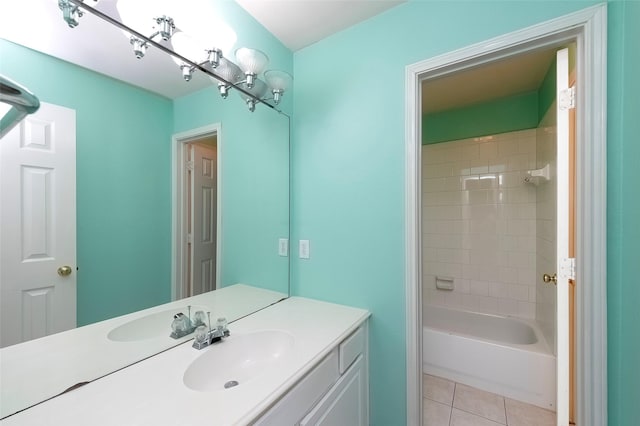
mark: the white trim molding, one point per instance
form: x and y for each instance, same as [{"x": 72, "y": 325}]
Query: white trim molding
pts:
[
  {"x": 588, "y": 29},
  {"x": 178, "y": 215}
]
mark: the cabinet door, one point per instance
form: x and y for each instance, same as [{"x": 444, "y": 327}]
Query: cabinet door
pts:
[
  {"x": 297, "y": 402},
  {"x": 345, "y": 404}
]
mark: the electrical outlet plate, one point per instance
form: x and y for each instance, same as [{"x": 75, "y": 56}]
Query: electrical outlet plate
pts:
[
  {"x": 304, "y": 249},
  {"x": 283, "y": 247}
]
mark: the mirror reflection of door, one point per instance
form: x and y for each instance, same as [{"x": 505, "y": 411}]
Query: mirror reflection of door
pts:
[
  {"x": 38, "y": 226},
  {"x": 202, "y": 217}
]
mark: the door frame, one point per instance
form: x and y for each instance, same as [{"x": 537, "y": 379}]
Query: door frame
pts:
[
  {"x": 179, "y": 268},
  {"x": 588, "y": 28}
]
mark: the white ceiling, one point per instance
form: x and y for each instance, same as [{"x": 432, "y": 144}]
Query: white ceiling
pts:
[{"x": 300, "y": 23}]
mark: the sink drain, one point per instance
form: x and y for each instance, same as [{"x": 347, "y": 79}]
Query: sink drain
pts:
[{"x": 230, "y": 384}]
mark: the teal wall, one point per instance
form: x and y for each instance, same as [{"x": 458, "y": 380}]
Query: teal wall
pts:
[
  {"x": 507, "y": 114},
  {"x": 547, "y": 91},
  {"x": 623, "y": 210},
  {"x": 348, "y": 174},
  {"x": 123, "y": 187},
  {"x": 254, "y": 185}
]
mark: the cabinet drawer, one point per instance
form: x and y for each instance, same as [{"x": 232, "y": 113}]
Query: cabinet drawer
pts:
[
  {"x": 350, "y": 348},
  {"x": 304, "y": 395},
  {"x": 345, "y": 403}
]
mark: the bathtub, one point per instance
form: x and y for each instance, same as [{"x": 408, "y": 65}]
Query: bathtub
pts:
[{"x": 503, "y": 355}]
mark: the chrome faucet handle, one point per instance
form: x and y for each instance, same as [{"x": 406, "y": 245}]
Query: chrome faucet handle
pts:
[
  {"x": 180, "y": 326},
  {"x": 212, "y": 335}
]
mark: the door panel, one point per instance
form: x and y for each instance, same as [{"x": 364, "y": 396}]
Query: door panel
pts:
[
  {"x": 38, "y": 225},
  {"x": 204, "y": 218}
]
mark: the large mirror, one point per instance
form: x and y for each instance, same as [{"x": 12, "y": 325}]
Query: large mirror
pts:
[{"x": 142, "y": 135}]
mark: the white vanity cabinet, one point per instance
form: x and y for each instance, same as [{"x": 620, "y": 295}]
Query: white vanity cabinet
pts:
[{"x": 334, "y": 393}]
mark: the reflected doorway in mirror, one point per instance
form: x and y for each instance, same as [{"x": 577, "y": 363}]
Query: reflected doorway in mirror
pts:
[
  {"x": 202, "y": 206},
  {"x": 196, "y": 207}
]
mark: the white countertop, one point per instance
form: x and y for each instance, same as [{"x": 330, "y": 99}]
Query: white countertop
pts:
[
  {"x": 152, "y": 392},
  {"x": 33, "y": 371}
]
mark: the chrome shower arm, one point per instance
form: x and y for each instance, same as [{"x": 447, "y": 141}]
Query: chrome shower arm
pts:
[{"x": 22, "y": 101}]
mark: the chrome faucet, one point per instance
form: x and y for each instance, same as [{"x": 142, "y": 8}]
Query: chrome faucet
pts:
[
  {"x": 183, "y": 325},
  {"x": 207, "y": 336}
]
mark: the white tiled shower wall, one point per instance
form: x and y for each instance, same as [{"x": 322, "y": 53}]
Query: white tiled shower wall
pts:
[{"x": 479, "y": 223}]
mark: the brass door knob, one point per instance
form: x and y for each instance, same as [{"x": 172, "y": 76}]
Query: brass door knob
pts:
[
  {"x": 63, "y": 271},
  {"x": 550, "y": 278}
]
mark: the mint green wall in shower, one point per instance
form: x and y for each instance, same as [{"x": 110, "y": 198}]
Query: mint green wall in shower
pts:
[
  {"x": 123, "y": 182},
  {"x": 348, "y": 174},
  {"x": 517, "y": 112},
  {"x": 547, "y": 91}
]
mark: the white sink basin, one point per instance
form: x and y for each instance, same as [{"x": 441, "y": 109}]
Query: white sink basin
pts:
[
  {"x": 237, "y": 360},
  {"x": 150, "y": 326}
]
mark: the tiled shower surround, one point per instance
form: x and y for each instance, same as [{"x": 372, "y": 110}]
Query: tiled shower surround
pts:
[{"x": 479, "y": 223}]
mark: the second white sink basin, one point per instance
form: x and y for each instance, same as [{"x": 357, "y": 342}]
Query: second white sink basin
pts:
[{"x": 237, "y": 359}]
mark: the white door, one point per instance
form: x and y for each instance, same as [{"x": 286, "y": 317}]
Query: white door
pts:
[
  {"x": 203, "y": 219},
  {"x": 564, "y": 269},
  {"x": 38, "y": 226}
]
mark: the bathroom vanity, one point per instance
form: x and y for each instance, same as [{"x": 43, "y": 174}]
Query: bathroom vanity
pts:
[
  {"x": 299, "y": 361},
  {"x": 40, "y": 369}
]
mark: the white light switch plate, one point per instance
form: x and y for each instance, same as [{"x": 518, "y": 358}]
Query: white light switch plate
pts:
[
  {"x": 304, "y": 249},
  {"x": 283, "y": 247}
]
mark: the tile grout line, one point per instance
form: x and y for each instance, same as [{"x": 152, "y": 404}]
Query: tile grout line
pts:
[
  {"x": 504, "y": 404},
  {"x": 453, "y": 397}
]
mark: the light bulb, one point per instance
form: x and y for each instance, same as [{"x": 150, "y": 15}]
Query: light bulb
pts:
[
  {"x": 228, "y": 71},
  {"x": 252, "y": 62},
  {"x": 188, "y": 47},
  {"x": 279, "y": 81}
]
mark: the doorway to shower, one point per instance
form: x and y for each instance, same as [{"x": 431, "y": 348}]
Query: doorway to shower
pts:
[
  {"x": 587, "y": 29},
  {"x": 494, "y": 214}
]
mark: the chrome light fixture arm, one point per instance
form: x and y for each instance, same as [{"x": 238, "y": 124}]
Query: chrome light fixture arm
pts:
[
  {"x": 165, "y": 31},
  {"x": 71, "y": 13},
  {"x": 75, "y": 8}
]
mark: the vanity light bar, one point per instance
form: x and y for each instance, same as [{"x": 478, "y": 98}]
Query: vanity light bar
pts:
[{"x": 75, "y": 12}]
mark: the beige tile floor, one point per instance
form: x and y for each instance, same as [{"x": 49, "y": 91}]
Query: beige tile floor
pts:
[{"x": 447, "y": 403}]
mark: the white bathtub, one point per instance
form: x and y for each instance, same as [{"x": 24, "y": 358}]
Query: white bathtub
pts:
[{"x": 503, "y": 355}]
